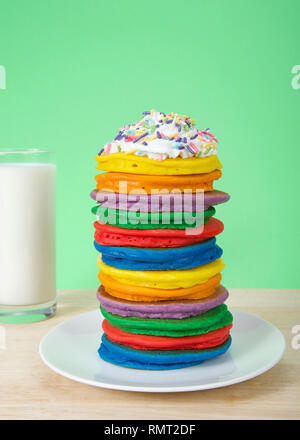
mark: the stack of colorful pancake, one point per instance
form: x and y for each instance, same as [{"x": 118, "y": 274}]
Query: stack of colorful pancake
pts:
[{"x": 155, "y": 230}]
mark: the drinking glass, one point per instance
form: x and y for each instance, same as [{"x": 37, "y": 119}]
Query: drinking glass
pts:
[{"x": 27, "y": 235}]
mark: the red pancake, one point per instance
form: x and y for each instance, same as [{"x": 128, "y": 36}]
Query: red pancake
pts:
[
  {"x": 150, "y": 342},
  {"x": 115, "y": 236}
]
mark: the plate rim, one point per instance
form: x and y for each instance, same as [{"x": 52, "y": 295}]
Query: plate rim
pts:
[{"x": 166, "y": 389}]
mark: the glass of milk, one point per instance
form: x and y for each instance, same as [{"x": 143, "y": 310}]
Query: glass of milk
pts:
[{"x": 27, "y": 235}]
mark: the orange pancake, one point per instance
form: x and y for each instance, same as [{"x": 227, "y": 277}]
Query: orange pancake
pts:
[{"x": 142, "y": 182}]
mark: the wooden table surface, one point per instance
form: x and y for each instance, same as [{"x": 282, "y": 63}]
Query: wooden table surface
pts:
[{"x": 30, "y": 390}]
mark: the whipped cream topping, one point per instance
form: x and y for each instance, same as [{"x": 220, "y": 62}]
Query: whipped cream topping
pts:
[{"x": 160, "y": 136}]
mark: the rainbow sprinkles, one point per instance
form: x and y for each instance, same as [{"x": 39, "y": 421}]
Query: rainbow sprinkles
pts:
[{"x": 160, "y": 136}]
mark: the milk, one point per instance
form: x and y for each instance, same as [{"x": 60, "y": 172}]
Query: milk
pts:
[{"x": 27, "y": 233}]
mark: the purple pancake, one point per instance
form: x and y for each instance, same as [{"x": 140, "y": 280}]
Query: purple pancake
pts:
[
  {"x": 153, "y": 203},
  {"x": 163, "y": 309}
]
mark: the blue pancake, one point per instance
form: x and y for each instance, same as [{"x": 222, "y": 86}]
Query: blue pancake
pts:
[
  {"x": 156, "y": 359},
  {"x": 186, "y": 257}
]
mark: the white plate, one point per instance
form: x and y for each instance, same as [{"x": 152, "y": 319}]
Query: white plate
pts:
[{"x": 70, "y": 349}]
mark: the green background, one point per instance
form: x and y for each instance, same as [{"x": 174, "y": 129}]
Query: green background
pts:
[{"x": 77, "y": 70}]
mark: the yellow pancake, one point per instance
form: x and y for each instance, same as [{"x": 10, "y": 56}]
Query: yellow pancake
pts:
[
  {"x": 147, "y": 294},
  {"x": 131, "y": 163},
  {"x": 164, "y": 279}
]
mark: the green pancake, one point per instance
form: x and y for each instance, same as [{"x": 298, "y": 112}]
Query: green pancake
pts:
[
  {"x": 211, "y": 320},
  {"x": 150, "y": 220}
]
